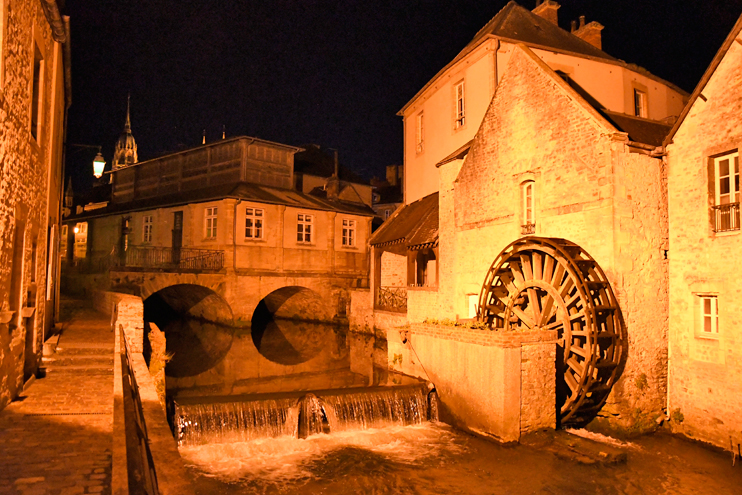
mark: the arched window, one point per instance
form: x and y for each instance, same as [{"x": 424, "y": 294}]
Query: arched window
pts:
[{"x": 528, "y": 210}]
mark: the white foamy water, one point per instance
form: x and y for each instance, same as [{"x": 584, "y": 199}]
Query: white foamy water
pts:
[{"x": 287, "y": 459}]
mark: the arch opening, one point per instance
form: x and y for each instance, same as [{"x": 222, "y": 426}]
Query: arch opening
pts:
[
  {"x": 197, "y": 325},
  {"x": 289, "y": 325}
]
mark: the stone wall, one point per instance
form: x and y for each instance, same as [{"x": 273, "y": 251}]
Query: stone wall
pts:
[
  {"x": 493, "y": 383},
  {"x": 393, "y": 270},
  {"x": 126, "y": 311},
  {"x": 422, "y": 303},
  {"x": 705, "y": 374},
  {"x": 28, "y": 166}
]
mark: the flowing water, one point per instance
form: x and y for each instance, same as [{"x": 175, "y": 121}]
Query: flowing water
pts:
[{"x": 332, "y": 421}]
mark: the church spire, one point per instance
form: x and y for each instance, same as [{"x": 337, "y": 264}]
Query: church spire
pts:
[{"x": 127, "y": 125}]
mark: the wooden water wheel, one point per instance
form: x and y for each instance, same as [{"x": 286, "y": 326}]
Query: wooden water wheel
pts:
[{"x": 552, "y": 284}]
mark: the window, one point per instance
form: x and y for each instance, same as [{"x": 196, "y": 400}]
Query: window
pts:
[
  {"x": 81, "y": 240},
  {"x": 420, "y": 133},
  {"x": 210, "y": 222},
  {"x": 709, "y": 315},
  {"x": 640, "y": 103},
  {"x": 726, "y": 192},
  {"x": 147, "y": 229},
  {"x": 528, "y": 216},
  {"x": 349, "y": 232},
  {"x": 254, "y": 223},
  {"x": 459, "y": 105},
  {"x": 304, "y": 228},
  {"x": 38, "y": 65}
]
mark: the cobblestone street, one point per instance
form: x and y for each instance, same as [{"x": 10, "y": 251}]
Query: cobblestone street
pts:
[{"x": 56, "y": 439}]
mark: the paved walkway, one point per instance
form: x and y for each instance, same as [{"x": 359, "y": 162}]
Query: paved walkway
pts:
[{"x": 57, "y": 438}]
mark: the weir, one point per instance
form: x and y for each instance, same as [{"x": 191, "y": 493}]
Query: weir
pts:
[{"x": 199, "y": 421}]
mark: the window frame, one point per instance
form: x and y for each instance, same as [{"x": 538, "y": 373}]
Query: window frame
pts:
[
  {"x": 528, "y": 206},
  {"x": 459, "y": 107},
  {"x": 640, "y": 103},
  {"x": 147, "y": 229},
  {"x": 420, "y": 132},
  {"x": 702, "y": 314},
  {"x": 725, "y": 207},
  {"x": 211, "y": 215},
  {"x": 304, "y": 228},
  {"x": 349, "y": 233},
  {"x": 257, "y": 223}
]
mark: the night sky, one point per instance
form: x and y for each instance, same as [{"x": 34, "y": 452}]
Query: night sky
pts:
[{"x": 333, "y": 73}]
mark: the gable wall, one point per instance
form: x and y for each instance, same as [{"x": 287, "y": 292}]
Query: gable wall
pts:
[{"x": 589, "y": 190}]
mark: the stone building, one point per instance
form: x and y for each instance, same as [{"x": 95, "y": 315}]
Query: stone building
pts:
[
  {"x": 225, "y": 217},
  {"x": 34, "y": 97},
  {"x": 388, "y": 195},
  {"x": 555, "y": 162},
  {"x": 705, "y": 335}
]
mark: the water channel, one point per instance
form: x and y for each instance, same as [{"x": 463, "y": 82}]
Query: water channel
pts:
[{"x": 302, "y": 407}]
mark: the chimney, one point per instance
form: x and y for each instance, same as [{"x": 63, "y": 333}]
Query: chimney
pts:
[
  {"x": 548, "y": 10},
  {"x": 391, "y": 174},
  {"x": 589, "y": 32}
]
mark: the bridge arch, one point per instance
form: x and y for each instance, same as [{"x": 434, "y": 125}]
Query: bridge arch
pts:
[
  {"x": 197, "y": 325},
  {"x": 289, "y": 326}
]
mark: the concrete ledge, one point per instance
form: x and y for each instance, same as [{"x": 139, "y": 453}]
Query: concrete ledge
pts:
[
  {"x": 126, "y": 310},
  {"x": 479, "y": 336}
]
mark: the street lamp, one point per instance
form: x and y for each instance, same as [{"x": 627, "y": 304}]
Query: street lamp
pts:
[{"x": 98, "y": 164}]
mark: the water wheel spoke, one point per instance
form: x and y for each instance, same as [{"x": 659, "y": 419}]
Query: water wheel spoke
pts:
[
  {"x": 559, "y": 271},
  {"x": 577, "y": 316},
  {"x": 523, "y": 317},
  {"x": 534, "y": 300},
  {"x": 553, "y": 326},
  {"x": 537, "y": 265},
  {"x": 548, "y": 273},
  {"x": 571, "y": 383},
  {"x": 548, "y": 309},
  {"x": 516, "y": 270},
  {"x": 576, "y": 366}
]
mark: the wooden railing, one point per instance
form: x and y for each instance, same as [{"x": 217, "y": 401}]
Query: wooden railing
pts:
[
  {"x": 726, "y": 217},
  {"x": 392, "y": 299}
]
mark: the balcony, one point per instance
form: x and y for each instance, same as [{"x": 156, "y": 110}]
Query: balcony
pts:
[
  {"x": 169, "y": 259},
  {"x": 392, "y": 299},
  {"x": 726, "y": 217},
  {"x": 528, "y": 228}
]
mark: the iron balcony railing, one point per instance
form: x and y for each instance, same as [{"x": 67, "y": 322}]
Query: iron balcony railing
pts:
[
  {"x": 726, "y": 217},
  {"x": 392, "y": 299},
  {"x": 528, "y": 228}
]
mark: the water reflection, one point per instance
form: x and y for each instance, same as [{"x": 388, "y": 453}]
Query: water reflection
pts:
[{"x": 195, "y": 346}]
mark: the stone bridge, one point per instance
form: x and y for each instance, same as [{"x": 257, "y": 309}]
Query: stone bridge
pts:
[{"x": 232, "y": 297}]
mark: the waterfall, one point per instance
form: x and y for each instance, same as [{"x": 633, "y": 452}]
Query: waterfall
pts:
[{"x": 313, "y": 413}]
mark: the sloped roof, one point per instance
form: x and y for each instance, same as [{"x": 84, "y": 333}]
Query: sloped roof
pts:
[
  {"x": 706, "y": 78},
  {"x": 414, "y": 225},
  {"x": 516, "y": 24},
  {"x": 242, "y": 190},
  {"x": 640, "y": 130},
  {"x": 519, "y": 24}
]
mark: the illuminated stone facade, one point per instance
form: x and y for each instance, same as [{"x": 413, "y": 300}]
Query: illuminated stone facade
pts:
[
  {"x": 705, "y": 376},
  {"x": 33, "y": 102}
]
